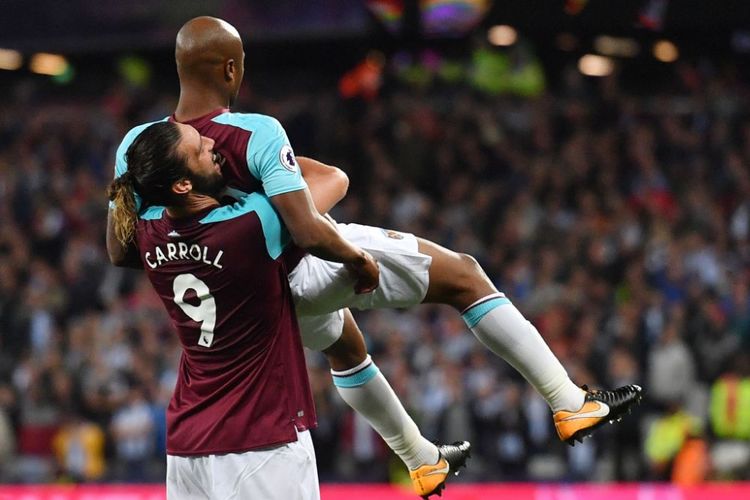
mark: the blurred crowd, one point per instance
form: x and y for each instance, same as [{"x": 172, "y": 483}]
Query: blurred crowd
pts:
[{"x": 617, "y": 222}]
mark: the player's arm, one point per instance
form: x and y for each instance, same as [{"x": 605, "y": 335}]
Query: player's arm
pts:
[
  {"x": 119, "y": 254},
  {"x": 328, "y": 185},
  {"x": 270, "y": 158},
  {"x": 312, "y": 232}
]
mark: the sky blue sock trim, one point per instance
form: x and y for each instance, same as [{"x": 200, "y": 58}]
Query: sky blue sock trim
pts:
[
  {"x": 479, "y": 311},
  {"x": 356, "y": 379}
]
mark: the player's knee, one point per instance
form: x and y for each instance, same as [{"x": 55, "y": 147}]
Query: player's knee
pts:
[
  {"x": 348, "y": 351},
  {"x": 470, "y": 274},
  {"x": 340, "y": 360},
  {"x": 459, "y": 282},
  {"x": 469, "y": 265}
]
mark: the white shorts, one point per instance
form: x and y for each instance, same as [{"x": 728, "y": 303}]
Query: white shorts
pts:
[
  {"x": 320, "y": 332},
  {"x": 285, "y": 472},
  {"x": 321, "y": 288}
]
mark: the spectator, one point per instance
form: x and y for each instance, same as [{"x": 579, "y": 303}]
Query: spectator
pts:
[
  {"x": 618, "y": 222},
  {"x": 730, "y": 420},
  {"x": 134, "y": 435},
  {"x": 7, "y": 434},
  {"x": 670, "y": 367},
  {"x": 79, "y": 450},
  {"x": 667, "y": 437}
]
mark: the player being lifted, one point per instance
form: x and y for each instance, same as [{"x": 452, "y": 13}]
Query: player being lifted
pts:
[
  {"x": 210, "y": 60},
  {"x": 242, "y": 401}
]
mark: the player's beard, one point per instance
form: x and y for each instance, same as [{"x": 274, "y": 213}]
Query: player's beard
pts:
[{"x": 211, "y": 184}]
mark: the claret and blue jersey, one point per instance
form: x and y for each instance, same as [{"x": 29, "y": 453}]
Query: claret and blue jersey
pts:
[
  {"x": 242, "y": 381},
  {"x": 258, "y": 155}
]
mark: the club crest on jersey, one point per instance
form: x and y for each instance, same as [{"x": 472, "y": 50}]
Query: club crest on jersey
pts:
[
  {"x": 286, "y": 155},
  {"x": 394, "y": 235}
]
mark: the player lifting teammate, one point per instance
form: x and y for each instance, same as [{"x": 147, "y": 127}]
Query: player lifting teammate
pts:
[
  {"x": 242, "y": 401},
  {"x": 255, "y": 156}
]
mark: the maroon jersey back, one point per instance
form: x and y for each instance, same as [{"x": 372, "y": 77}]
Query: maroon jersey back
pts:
[{"x": 242, "y": 381}]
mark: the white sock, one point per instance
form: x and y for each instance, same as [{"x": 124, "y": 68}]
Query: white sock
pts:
[
  {"x": 503, "y": 329},
  {"x": 367, "y": 391}
]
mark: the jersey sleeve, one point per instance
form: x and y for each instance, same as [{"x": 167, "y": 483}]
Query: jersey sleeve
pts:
[
  {"x": 121, "y": 166},
  {"x": 270, "y": 159},
  {"x": 121, "y": 163}
]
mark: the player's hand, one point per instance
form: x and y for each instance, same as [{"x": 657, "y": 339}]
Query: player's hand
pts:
[{"x": 365, "y": 272}]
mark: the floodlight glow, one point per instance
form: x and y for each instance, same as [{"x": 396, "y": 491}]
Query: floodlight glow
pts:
[
  {"x": 10, "y": 59},
  {"x": 502, "y": 35},
  {"x": 48, "y": 64},
  {"x": 593, "y": 65},
  {"x": 666, "y": 51}
]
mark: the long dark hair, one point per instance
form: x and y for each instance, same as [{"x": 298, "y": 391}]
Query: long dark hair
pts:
[{"x": 154, "y": 165}]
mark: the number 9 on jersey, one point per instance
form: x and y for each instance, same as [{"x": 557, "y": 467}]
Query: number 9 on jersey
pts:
[{"x": 204, "y": 313}]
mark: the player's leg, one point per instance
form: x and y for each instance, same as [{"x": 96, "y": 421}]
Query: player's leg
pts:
[
  {"x": 364, "y": 388},
  {"x": 361, "y": 384},
  {"x": 414, "y": 270},
  {"x": 458, "y": 280},
  {"x": 349, "y": 350}
]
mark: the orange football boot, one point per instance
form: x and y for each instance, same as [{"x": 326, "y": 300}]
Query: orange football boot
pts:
[
  {"x": 599, "y": 407},
  {"x": 430, "y": 479}
]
